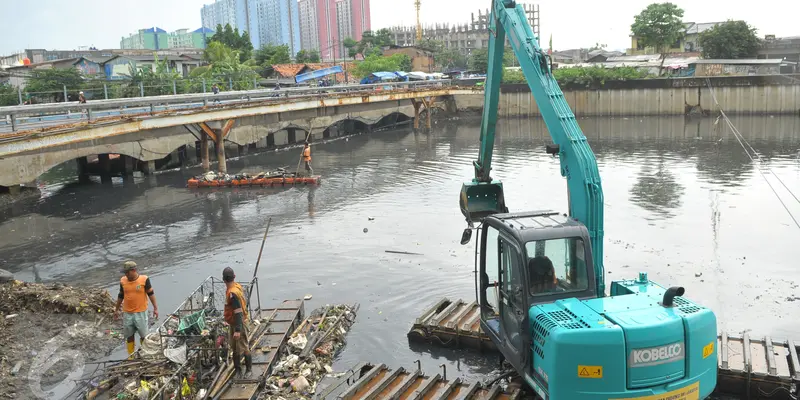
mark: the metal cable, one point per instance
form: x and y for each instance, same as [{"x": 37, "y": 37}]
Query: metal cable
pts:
[{"x": 737, "y": 136}]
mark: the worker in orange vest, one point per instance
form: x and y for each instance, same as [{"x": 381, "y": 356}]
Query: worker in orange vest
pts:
[
  {"x": 134, "y": 290},
  {"x": 236, "y": 316},
  {"x": 307, "y": 159}
]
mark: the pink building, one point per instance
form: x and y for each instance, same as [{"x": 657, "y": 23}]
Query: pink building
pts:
[{"x": 324, "y": 24}]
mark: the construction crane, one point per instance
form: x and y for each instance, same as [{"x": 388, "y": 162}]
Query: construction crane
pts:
[{"x": 418, "y": 4}]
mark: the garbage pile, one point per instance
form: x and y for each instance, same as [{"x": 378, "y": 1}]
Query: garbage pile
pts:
[
  {"x": 161, "y": 364},
  {"x": 212, "y": 176},
  {"x": 312, "y": 348},
  {"x": 17, "y": 296}
]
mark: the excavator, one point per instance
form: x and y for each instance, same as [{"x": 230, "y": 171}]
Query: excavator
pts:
[{"x": 540, "y": 280}]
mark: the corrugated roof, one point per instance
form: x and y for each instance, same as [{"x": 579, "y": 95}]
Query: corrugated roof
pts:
[{"x": 288, "y": 70}]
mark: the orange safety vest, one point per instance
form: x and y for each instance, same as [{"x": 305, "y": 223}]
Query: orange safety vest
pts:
[
  {"x": 307, "y": 154},
  {"x": 236, "y": 290},
  {"x": 135, "y": 297}
]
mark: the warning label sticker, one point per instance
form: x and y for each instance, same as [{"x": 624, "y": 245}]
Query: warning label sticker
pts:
[
  {"x": 590, "y": 371},
  {"x": 691, "y": 392},
  {"x": 708, "y": 350}
]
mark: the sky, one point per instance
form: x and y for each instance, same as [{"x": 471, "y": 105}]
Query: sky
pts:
[{"x": 69, "y": 24}]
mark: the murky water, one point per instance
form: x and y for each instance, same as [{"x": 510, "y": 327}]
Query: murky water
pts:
[{"x": 683, "y": 203}]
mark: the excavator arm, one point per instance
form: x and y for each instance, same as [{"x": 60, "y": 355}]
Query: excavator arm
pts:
[{"x": 484, "y": 196}]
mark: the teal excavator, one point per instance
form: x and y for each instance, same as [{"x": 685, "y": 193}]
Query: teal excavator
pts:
[{"x": 540, "y": 281}]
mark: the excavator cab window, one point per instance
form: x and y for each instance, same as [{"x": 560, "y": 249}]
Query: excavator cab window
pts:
[{"x": 556, "y": 266}]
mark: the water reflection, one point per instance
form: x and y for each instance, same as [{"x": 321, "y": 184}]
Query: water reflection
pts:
[{"x": 679, "y": 192}]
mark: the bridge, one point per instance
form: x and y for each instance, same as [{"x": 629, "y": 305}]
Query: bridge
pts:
[{"x": 150, "y": 133}]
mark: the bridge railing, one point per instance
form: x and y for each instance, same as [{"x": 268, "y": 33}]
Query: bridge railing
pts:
[{"x": 25, "y": 117}]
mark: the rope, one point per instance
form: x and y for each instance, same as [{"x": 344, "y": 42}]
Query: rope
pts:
[{"x": 741, "y": 139}]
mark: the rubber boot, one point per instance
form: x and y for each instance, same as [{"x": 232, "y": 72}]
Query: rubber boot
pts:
[
  {"x": 248, "y": 363},
  {"x": 237, "y": 366},
  {"x": 131, "y": 348}
]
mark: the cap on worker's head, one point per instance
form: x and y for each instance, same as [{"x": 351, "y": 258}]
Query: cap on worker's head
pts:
[
  {"x": 81, "y": 92},
  {"x": 306, "y": 143},
  {"x": 128, "y": 266},
  {"x": 227, "y": 274}
]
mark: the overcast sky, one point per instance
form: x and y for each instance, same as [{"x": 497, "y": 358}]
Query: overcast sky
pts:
[{"x": 68, "y": 24}]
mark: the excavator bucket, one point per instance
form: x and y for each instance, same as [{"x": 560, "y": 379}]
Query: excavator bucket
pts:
[{"x": 481, "y": 199}]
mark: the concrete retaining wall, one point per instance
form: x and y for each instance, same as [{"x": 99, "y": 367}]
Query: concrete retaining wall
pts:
[{"x": 516, "y": 102}]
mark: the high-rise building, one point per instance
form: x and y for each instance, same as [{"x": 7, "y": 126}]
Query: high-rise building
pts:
[
  {"x": 158, "y": 39},
  {"x": 274, "y": 22},
  {"x": 327, "y": 23}
]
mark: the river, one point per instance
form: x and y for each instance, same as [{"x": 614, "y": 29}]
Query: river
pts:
[{"x": 683, "y": 202}]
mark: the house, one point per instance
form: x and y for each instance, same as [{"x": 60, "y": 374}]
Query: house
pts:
[
  {"x": 88, "y": 66},
  {"x": 741, "y": 67},
  {"x": 421, "y": 59},
  {"x": 119, "y": 67},
  {"x": 595, "y": 56},
  {"x": 689, "y": 42},
  {"x": 786, "y": 48},
  {"x": 286, "y": 73}
]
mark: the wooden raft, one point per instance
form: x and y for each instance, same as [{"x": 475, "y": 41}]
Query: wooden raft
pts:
[
  {"x": 369, "y": 382},
  {"x": 758, "y": 366}
]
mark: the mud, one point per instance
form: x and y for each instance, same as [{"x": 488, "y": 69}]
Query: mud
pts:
[{"x": 53, "y": 331}]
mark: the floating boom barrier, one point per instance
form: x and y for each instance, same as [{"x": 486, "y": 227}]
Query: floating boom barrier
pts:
[{"x": 278, "y": 178}]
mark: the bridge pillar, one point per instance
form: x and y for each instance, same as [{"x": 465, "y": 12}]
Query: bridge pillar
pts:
[
  {"x": 149, "y": 167},
  {"x": 220, "y": 146},
  {"x": 105, "y": 167},
  {"x": 83, "y": 173},
  {"x": 416, "y": 104},
  {"x": 14, "y": 190},
  {"x": 204, "y": 150},
  {"x": 128, "y": 165},
  {"x": 242, "y": 150},
  {"x": 428, "y": 104}
]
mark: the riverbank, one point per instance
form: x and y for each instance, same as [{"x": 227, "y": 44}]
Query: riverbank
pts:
[{"x": 48, "y": 333}]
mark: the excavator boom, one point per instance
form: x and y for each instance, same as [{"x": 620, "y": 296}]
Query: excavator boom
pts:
[{"x": 484, "y": 196}]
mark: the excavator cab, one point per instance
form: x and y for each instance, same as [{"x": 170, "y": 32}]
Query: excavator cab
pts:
[
  {"x": 527, "y": 259},
  {"x": 481, "y": 199}
]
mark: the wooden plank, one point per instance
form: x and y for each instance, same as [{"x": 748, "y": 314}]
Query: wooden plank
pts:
[
  {"x": 208, "y": 131},
  {"x": 427, "y": 386},
  {"x": 724, "y": 350},
  {"x": 449, "y": 389},
  {"x": 352, "y": 390},
  {"x": 453, "y": 323},
  {"x": 442, "y": 315},
  {"x": 795, "y": 363},
  {"x": 493, "y": 393},
  {"x": 430, "y": 312},
  {"x": 468, "y": 392},
  {"x": 748, "y": 361},
  {"x": 770, "y": 349},
  {"x": 403, "y": 386},
  {"x": 240, "y": 391},
  {"x": 382, "y": 384}
]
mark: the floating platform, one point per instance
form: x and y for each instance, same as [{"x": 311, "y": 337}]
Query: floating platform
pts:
[
  {"x": 758, "y": 366},
  {"x": 269, "y": 340},
  {"x": 371, "y": 382},
  {"x": 261, "y": 182}
]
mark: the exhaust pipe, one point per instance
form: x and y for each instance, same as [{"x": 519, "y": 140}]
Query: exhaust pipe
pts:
[{"x": 670, "y": 294}]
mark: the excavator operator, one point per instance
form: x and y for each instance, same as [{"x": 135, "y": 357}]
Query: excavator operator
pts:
[{"x": 543, "y": 275}]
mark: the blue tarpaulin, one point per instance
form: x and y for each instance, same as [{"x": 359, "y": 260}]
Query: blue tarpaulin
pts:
[
  {"x": 384, "y": 76},
  {"x": 318, "y": 74}
]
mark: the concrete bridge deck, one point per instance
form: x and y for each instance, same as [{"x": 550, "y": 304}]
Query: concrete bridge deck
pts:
[{"x": 144, "y": 130}]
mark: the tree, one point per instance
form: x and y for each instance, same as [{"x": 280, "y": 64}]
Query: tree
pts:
[
  {"x": 479, "y": 60},
  {"x": 224, "y": 66},
  {"x": 372, "y": 42},
  {"x": 269, "y": 55},
  {"x": 732, "y": 39},
  {"x": 301, "y": 57},
  {"x": 351, "y": 45},
  {"x": 49, "y": 83},
  {"x": 8, "y": 95},
  {"x": 156, "y": 80},
  {"x": 230, "y": 37},
  {"x": 313, "y": 56},
  {"x": 376, "y": 63},
  {"x": 660, "y": 25}
]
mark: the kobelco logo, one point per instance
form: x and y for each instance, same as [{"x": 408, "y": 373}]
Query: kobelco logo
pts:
[{"x": 656, "y": 355}]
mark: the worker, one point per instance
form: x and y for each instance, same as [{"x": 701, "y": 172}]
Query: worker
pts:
[
  {"x": 236, "y": 316},
  {"x": 81, "y": 98},
  {"x": 134, "y": 290},
  {"x": 307, "y": 159},
  {"x": 543, "y": 275}
]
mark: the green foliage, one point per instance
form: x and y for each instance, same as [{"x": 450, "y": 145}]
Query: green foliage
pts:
[
  {"x": 732, "y": 39},
  {"x": 351, "y": 45},
  {"x": 372, "y": 42},
  {"x": 231, "y": 38},
  {"x": 269, "y": 55},
  {"x": 157, "y": 81},
  {"x": 660, "y": 25},
  {"x": 224, "y": 66},
  {"x": 376, "y": 63},
  {"x": 313, "y": 56},
  {"x": 583, "y": 76},
  {"x": 8, "y": 95},
  {"x": 305, "y": 56},
  {"x": 479, "y": 60},
  {"x": 445, "y": 58},
  {"x": 48, "y": 84}
]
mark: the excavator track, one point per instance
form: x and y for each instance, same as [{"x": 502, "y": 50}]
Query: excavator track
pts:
[
  {"x": 745, "y": 365},
  {"x": 377, "y": 381}
]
